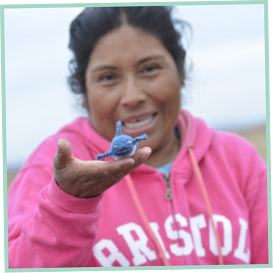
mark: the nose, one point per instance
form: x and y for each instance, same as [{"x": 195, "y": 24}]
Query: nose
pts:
[{"x": 133, "y": 93}]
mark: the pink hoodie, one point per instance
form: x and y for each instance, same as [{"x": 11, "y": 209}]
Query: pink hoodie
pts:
[{"x": 49, "y": 228}]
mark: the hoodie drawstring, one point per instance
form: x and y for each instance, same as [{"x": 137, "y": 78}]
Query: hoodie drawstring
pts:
[
  {"x": 202, "y": 186},
  {"x": 145, "y": 220}
]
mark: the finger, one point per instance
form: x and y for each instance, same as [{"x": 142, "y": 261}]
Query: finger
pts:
[
  {"x": 117, "y": 166},
  {"x": 142, "y": 155},
  {"x": 139, "y": 157},
  {"x": 126, "y": 165},
  {"x": 63, "y": 155}
]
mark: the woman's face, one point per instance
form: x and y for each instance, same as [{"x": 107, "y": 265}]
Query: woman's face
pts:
[{"x": 132, "y": 77}]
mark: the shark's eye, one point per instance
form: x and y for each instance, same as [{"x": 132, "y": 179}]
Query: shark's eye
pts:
[
  {"x": 116, "y": 146},
  {"x": 129, "y": 141}
]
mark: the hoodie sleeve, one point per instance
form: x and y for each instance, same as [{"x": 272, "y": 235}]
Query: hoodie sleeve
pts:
[
  {"x": 46, "y": 226},
  {"x": 258, "y": 217},
  {"x": 253, "y": 176}
]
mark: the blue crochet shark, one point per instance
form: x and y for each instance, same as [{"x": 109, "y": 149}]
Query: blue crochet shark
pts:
[{"x": 122, "y": 145}]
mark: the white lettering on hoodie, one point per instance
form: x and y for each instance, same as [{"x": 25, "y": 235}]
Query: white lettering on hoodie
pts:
[
  {"x": 174, "y": 234},
  {"x": 198, "y": 222},
  {"x": 155, "y": 228},
  {"x": 107, "y": 253},
  {"x": 227, "y": 236},
  {"x": 240, "y": 250},
  {"x": 138, "y": 247},
  {"x": 114, "y": 255}
]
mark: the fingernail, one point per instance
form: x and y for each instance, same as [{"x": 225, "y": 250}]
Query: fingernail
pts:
[
  {"x": 60, "y": 151},
  {"x": 58, "y": 144},
  {"x": 147, "y": 153}
]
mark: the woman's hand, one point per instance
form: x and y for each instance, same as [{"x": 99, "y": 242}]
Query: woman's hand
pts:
[{"x": 91, "y": 178}]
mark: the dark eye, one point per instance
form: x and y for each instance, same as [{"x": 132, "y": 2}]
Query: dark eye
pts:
[
  {"x": 108, "y": 77},
  {"x": 150, "y": 69}
]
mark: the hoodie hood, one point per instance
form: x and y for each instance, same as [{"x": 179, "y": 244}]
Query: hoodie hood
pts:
[{"x": 194, "y": 132}]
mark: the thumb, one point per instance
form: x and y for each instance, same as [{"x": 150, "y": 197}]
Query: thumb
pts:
[
  {"x": 142, "y": 155},
  {"x": 63, "y": 155}
]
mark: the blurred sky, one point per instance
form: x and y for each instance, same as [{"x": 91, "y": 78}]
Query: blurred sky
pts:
[{"x": 225, "y": 58}]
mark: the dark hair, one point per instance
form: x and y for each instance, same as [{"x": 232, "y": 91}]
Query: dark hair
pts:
[{"x": 94, "y": 22}]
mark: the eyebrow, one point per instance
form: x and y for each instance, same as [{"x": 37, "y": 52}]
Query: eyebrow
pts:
[
  {"x": 150, "y": 58},
  {"x": 143, "y": 60},
  {"x": 102, "y": 67}
]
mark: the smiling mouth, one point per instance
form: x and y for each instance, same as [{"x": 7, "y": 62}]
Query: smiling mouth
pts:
[{"x": 140, "y": 122}]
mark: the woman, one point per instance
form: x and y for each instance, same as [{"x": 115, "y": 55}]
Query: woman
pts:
[{"x": 200, "y": 197}]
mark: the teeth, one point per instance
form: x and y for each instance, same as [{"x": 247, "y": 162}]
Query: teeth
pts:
[{"x": 138, "y": 123}]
